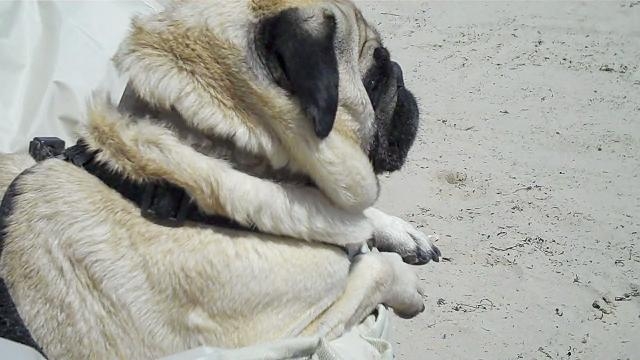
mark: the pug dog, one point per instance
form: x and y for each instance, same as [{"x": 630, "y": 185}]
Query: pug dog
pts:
[{"x": 221, "y": 201}]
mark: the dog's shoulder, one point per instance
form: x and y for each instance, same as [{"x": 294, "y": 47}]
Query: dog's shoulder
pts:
[
  {"x": 51, "y": 193},
  {"x": 49, "y": 183}
]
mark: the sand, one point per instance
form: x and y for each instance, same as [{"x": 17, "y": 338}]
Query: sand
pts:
[{"x": 527, "y": 166}]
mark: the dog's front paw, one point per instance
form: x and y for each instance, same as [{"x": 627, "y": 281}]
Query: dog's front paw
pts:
[
  {"x": 404, "y": 295},
  {"x": 392, "y": 234}
]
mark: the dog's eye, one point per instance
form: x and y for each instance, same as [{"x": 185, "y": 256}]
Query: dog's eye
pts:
[{"x": 374, "y": 83}]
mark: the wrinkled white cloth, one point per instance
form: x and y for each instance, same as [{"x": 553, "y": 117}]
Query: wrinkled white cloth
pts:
[
  {"x": 53, "y": 55},
  {"x": 367, "y": 341},
  {"x": 13, "y": 350}
]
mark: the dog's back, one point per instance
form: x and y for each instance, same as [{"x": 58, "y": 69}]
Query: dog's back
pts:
[{"x": 11, "y": 165}]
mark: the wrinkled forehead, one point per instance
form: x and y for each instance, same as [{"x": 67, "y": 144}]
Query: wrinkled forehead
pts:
[
  {"x": 368, "y": 40},
  {"x": 353, "y": 16},
  {"x": 356, "y": 31}
]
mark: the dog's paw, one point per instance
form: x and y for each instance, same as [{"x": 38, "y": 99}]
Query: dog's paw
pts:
[
  {"x": 404, "y": 295},
  {"x": 392, "y": 234}
]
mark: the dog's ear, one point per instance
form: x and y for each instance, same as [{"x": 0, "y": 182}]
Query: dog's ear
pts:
[{"x": 298, "y": 49}]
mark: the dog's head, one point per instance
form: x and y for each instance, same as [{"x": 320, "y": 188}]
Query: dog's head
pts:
[
  {"x": 327, "y": 55},
  {"x": 306, "y": 84}
]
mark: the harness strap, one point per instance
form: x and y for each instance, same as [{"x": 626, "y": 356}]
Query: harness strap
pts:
[{"x": 159, "y": 201}]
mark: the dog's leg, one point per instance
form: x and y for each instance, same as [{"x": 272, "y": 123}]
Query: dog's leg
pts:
[
  {"x": 393, "y": 234},
  {"x": 375, "y": 278}
]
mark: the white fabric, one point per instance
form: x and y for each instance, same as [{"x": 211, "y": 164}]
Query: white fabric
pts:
[
  {"x": 367, "y": 341},
  {"x": 12, "y": 350},
  {"x": 53, "y": 55}
]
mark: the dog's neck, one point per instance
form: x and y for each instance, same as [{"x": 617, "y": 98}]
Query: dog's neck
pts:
[{"x": 208, "y": 144}]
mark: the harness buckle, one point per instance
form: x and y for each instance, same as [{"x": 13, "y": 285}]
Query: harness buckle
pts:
[
  {"x": 164, "y": 204},
  {"x": 42, "y": 148}
]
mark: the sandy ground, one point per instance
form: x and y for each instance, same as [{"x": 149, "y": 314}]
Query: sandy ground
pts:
[{"x": 528, "y": 166}]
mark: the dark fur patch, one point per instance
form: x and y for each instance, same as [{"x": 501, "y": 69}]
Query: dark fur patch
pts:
[
  {"x": 378, "y": 77},
  {"x": 7, "y": 204},
  {"x": 304, "y": 64},
  {"x": 392, "y": 144},
  {"x": 396, "y": 128},
  {"x": 11, "y": 325}
]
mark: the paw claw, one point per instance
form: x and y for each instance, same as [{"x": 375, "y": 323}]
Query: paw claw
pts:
[
  {"x": 422, "y": 256},
  {"x": 393, "y": 234},
  {"x": 436, "y": 255}
]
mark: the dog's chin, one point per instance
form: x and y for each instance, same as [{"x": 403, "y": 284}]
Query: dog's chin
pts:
[{"x": 395, "y": 136}]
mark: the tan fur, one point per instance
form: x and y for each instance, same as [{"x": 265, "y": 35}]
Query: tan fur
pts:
[
  {"x": 11, "y": 165},
  {"x": 111, "y": 284},
  {"x": 142, "y": 150},
  {"x": 173, "y": 60},
  {"x": 118, "y": 272},
  {"x": 93, "y": 279}
]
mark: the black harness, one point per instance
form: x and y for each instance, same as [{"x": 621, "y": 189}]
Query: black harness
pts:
[{"x": 160, "y": 202}]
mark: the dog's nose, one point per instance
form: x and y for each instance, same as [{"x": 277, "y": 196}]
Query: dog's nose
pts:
[{"x": 397, "y": 72}]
